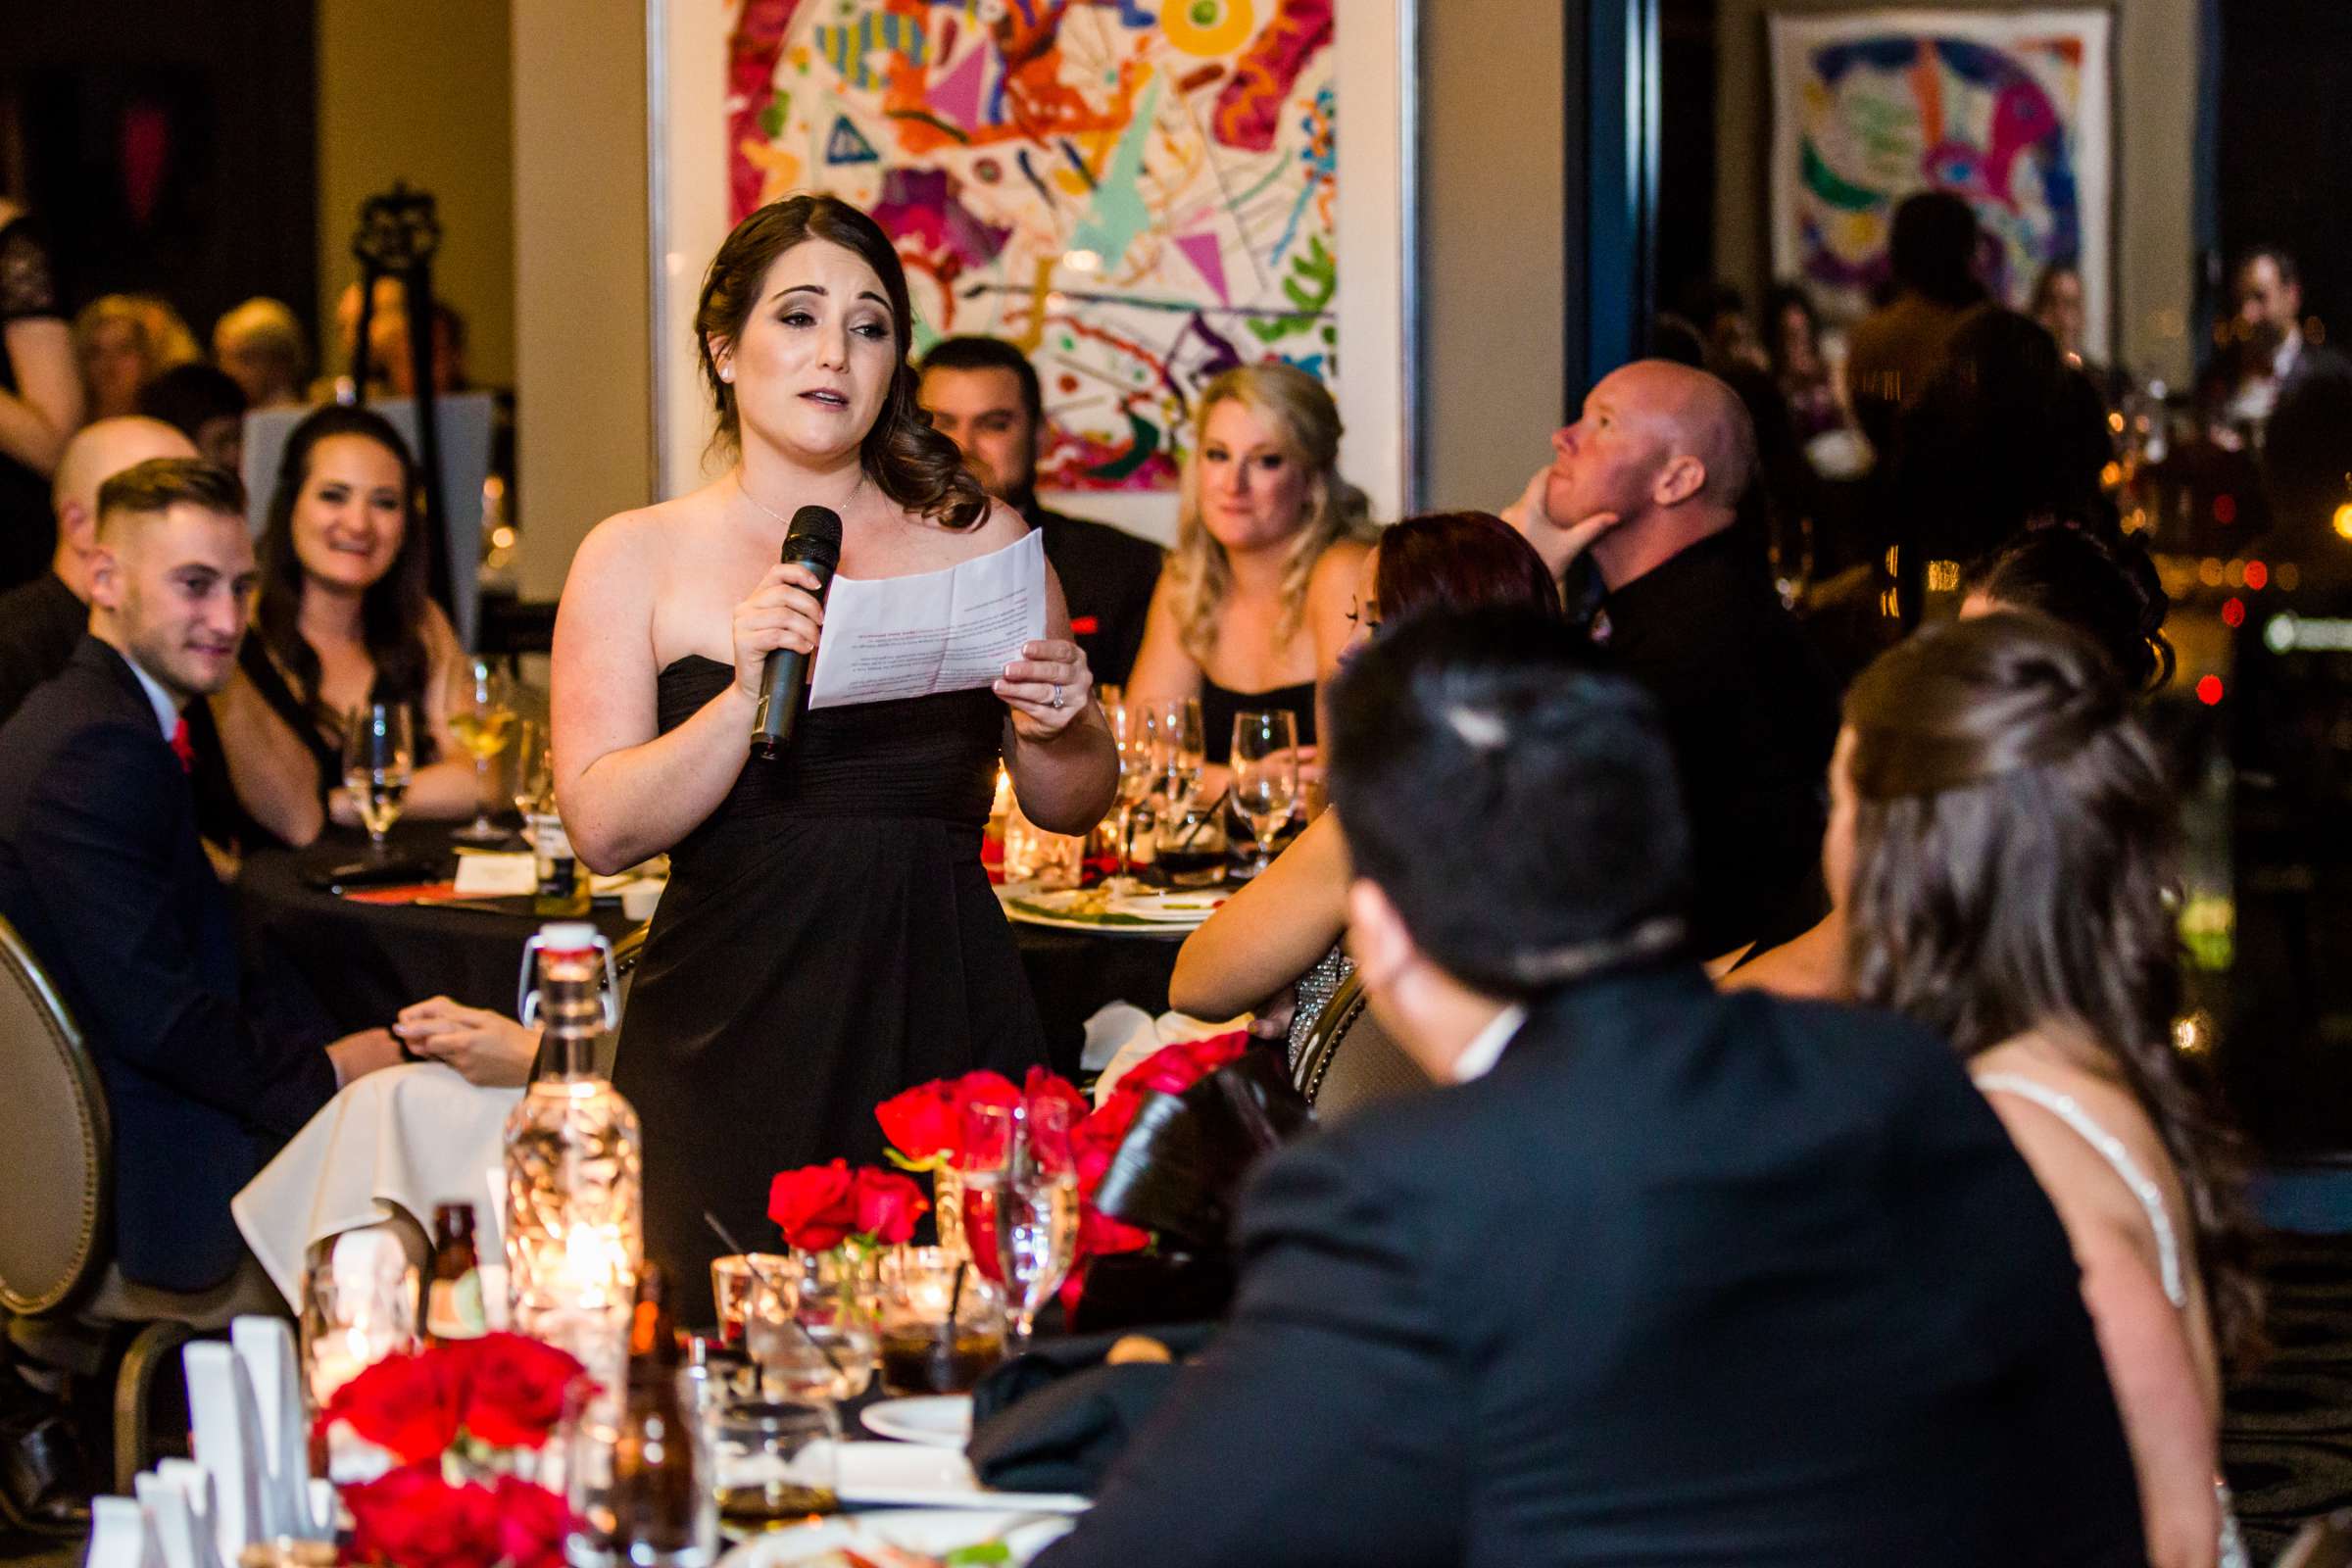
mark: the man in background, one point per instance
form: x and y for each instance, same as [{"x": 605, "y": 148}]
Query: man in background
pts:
[
  {"x": 982, "y": 393},
  {"x": 1649, "y": 482}
]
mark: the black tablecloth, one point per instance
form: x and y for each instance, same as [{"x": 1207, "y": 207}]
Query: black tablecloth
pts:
[{"x": 362, "y": 962}]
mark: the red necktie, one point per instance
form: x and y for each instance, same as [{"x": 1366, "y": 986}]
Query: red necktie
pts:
[{"x": 181, "y": 747}]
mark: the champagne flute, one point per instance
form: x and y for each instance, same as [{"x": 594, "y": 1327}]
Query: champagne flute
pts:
[
  {"x": 481, "y": 714},
  {"x": 1036, "y": 1213},
  {"x": 1265, "y": 776},
  {"x": 380, "y": 752},
  {"x": 1134, "y": 739}
]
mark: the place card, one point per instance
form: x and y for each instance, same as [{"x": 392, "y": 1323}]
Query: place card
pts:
[{"x": 497, "y": 876}]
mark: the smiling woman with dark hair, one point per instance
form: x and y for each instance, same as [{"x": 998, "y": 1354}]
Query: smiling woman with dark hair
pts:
[{"x": 828, "y": 937}]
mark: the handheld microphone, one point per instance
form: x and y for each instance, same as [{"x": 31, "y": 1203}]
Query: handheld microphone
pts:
[{"x": 815, "y": 541}]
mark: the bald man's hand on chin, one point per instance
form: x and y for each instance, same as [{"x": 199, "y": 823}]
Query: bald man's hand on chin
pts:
[{"x": 1558, "y": 543}]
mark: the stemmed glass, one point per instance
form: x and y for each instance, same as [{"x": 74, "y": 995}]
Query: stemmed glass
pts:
[
  {"x": 380, "y": 752},
  {"x": 1265, "y": 776},
  {"x": 534, "y": 770},
  {"x": 1035, "y": 1219},
  {"x": 1179, "y": 754},
  {"x": 481, "y": 713},
  {"x": 1136, "y": 777}
]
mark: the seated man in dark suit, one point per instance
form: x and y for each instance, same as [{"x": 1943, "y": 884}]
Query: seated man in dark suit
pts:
[
  {"x": 42, "y": 623},
  {"x": 982, "y": 394},
  {"x": 1661, "y": 1276},
  {"x": 101, "y": 873}
]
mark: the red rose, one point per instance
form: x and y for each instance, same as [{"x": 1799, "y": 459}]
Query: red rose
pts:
[
  {"x": 411, "y": 1518},
  {"x": 923, "y": 1123},
  {"x": 888, "y": 1205},
  {"x": 1172, "y": 1070},
  {"x": 409, "y": 1403},
  {"x": 1048, "y": 1087},
  {"x": 515, "y": 1388},
  {"x": 532, "y": 1523},
  {"x": 815, "y": 1205}
]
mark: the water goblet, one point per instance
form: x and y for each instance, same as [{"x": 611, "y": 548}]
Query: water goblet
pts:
[{"x": 379, "y": 753}]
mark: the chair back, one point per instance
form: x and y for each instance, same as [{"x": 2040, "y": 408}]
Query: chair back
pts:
[
  {"x": 54, "y": 1125},
  {"x": 1349, "y": 1061},
  {"x": 2324, "y": 1542}
]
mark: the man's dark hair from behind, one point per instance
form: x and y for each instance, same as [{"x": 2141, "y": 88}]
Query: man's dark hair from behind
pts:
[
  {"x": 989, "y": 354},
  {"x": 189, "y": 397},
  {"x": 1932, "y": 248},
  {"x": 159, "y": 484},
  {"x": 1514, "y": 800}
]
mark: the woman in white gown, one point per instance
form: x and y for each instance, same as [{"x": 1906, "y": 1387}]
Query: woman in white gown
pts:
[{"x": 2002, "y": 845}]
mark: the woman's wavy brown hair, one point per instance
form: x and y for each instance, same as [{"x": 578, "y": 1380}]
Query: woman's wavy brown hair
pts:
[
  {"x": 907, "y": 459},
  {"x": 1198, "y": 574},
  {"x": 2014, "y": 849}
]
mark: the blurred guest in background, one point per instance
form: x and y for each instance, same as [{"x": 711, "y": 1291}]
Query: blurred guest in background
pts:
[
  {"x": 42, "y": 620},
  {"x": 2267, "y": 287},
  {"x": 2004, "y": 843},
  {"x": 344, "y": 619},
  {"x": 389, "y": 347},
  {"x": 982, "y": 394},
  {"x": 1792, "y": 334},
  {"x": 1281, "y": 930},
  {"x": 1252, "y": 610},
  {"x": 2004, "y": 434},
  {"x": 203, "y": 404},
  {"x": 1597, "y": 1299},
  {"x": 1931, "y": 257},
  {"x": 41, "y": 394},
  {"x": 262, "y": 344},
  {"x": 124, "y": 341},
  {"x": 1651, "y": 480}
]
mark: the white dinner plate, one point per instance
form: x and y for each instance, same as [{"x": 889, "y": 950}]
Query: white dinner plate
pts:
[
  {"x": 934, "y": 1420},
  {"x": 933, "y": 1532},
  {"x": 1149, "y": 911},
  {"x": 910, "y": 1476}
]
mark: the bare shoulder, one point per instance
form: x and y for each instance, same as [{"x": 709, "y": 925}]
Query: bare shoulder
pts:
[
  {"x": 1001, "y": 526},
  {"x": 1336, "y": 569}
]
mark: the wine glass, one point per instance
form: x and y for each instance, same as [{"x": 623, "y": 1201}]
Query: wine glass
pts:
[
  {"x": 1134, "y": 739},
  {"x": 481, "y": 714},
  {"x": 1265, "y": 776},
  {"x": 1179, "y": 753},
  {"x": 1035, "y": 1220},
  {"x": 379, "y": 753},
  {"x": 534, "y": 770}
]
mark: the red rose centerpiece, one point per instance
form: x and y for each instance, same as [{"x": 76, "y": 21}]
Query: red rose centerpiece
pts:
[{"x": 466, "y": 1422}]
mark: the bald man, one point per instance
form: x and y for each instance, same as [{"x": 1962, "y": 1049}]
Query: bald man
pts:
[
  {"x": 1649, "y": 482},
  {"x": 41, "y": 620}
]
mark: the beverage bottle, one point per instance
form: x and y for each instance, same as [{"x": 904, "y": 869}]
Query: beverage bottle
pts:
[
  {"x": 574, "y": 1164},
  {"x": 658, "y": 1502},
  {"x": 453, "y": 1295},
  {"x": 562, "y": 890}
]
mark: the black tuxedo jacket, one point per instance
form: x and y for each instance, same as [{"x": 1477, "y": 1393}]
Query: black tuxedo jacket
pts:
[
  {"x": 1108, "y": 575},
  {"x": 102, "y": 875},
  {"x": 1686, "y": 1279}
]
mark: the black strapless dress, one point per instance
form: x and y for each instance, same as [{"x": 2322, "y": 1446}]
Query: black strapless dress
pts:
[
  {"x": 1221, "y": 705},
  {"x": 828, "y": 939}
]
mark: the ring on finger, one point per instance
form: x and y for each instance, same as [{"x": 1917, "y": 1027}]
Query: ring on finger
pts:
[{"x": 1057, "y": 702}]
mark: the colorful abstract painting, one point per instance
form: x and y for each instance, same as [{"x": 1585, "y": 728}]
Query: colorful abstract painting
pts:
[
  {"x": 2008, "y": 110},
  {"x": 1140, "y": 193}
]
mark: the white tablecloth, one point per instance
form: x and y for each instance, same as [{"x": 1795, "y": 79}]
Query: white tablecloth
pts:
[{"x": 409, "y": 1138}]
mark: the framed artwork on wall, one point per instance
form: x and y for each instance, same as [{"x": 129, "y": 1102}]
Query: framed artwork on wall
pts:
[
  {"x": 2010, "y": 110},
  {"x": 1139, "y": 193}
]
